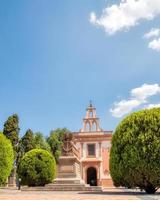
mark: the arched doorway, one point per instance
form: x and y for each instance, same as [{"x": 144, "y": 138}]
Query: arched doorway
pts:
[{"x": 92, "y": 176}]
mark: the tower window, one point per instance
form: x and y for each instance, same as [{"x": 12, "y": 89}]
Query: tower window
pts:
[
  {"x": 87, "y": 127},
  {"x": 91, "y": 150},
  {"x": 91, "y": 114},
  {"x": 94, "y": 126}
]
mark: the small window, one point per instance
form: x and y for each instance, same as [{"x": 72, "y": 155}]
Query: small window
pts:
[
  {"x": 94, "y": 126},
  {"x": 90, "y": 114},
  {"x": 91, "y": 149},
  {"x": 87, "y": 127}
]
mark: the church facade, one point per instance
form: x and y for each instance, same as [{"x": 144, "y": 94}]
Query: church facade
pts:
[{"x": 94, "y": 146}]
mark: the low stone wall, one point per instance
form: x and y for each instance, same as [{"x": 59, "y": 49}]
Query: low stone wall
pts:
[{"x": 107, "y": 183}]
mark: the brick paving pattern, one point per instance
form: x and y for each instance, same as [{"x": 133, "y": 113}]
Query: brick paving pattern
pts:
[{"x": 109, "y": 194}]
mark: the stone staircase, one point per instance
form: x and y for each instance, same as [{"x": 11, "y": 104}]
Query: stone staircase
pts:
[
  {"x": 72, "y": 187},
  {"x": 64, "y": 185}
]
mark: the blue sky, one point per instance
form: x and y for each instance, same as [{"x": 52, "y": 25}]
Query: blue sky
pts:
[{"x": 53, "y": 60}]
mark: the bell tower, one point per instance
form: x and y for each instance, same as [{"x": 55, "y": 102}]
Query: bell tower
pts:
[{"x": 91, "y": 121}]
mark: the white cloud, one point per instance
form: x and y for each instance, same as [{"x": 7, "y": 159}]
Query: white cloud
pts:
[
  {"x": 154, "y": 32},
  {"x": 125, "y": 15},
  {"x": 92, "y": 17},
  {"x": 139, "y": 96},
  {"x": 123, "y": 107},
  {"x": 145, "y": 91},
  {"x": 155, "y": 44},
  {"x": 153, "y": 106}
]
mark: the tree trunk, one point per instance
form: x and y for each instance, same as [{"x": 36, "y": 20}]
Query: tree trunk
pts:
[{"x": 150, "y": 189}]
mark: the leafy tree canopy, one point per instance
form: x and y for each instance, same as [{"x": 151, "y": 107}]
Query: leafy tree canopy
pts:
[
  {"x": 11, "y": 130},
  {"x": 37, "y": 168},
  {"x": 6, "y": 158},
  {"x": 27, "y": 141},
  {"x": 134, "y": 157},
  {"x": 55, "y": 141},
  {"x": 26, "y": 144},
  {"x": 40, "y": 142}
]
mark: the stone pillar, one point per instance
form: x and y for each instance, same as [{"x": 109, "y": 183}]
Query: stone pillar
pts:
[
  {"x": 82, "y": 150},
  {"x": 100, "y": 150},
  {"x": 12, "y": 179}
]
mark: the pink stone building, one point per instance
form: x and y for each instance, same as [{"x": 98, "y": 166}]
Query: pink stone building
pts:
[{"x": 94, "y": 146}]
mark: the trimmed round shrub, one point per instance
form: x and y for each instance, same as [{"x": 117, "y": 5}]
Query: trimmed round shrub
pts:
[
  {"x": 6, "y": 159},
  {"x": 135, "y": 151},
  {"x": 37, "y": 168}
]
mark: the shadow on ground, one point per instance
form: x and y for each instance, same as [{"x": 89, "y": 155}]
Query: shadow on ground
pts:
[{"x": 120, "y": 193}]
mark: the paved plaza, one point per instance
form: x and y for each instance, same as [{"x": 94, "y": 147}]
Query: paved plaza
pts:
[{"x": 109, "y": 194}]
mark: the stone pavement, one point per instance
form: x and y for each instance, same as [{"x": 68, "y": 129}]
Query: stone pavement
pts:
[{"x": 109, "y": 194}]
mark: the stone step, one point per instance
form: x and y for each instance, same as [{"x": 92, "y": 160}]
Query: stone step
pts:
[
  {"x": 94, "y": 188},
  {"x": 66, "y": 185},
  {"x": 63, "y": 188},
  {"x": 63, "y": 182}
]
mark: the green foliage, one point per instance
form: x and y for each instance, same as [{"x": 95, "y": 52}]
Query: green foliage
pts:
[
  {"x": 27, "y": 141},
  {"x": 134, "y": 157},
  {"x": 37, "y": 168},
  {"x": 6, "y": 159},
  {"x": 55, "y": 141},
  {"x": 26, "y": 144},
  {"x": 40, "y": 142},
  {"x": 31, "y": 141},
  {"x": 11, "y": 130}
]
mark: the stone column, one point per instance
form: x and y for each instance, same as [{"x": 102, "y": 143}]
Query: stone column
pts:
[
  {"x": 100, "y": 150},
  {"x": 81, "y": 149}
]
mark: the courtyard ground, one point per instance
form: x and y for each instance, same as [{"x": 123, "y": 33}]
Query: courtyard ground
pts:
[{"x": 108, "y": 194}]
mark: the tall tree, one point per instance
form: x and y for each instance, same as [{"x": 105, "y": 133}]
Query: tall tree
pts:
[
  {"x": 27, "y": 141},
  {"x": 11, "y": 130},
  {"x": 55, "y": 141},
  {"x": 25, "y": 144},
  {"x": 40, "y": 142},
  {"x": 134, "y": 156},
  {"x": 6, "y": 158}
]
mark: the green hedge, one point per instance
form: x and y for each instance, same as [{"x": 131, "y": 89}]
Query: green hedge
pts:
[
  {"x": 37, "y": 168},
  {"x": 6, "y": 159},
  {"x": 135, "y": 152}
]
